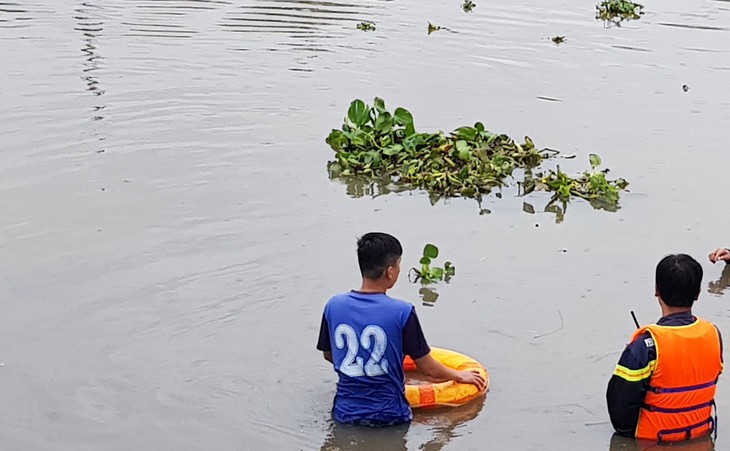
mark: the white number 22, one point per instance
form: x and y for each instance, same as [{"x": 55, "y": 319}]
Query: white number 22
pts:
[{"x": 372, "y": 337}]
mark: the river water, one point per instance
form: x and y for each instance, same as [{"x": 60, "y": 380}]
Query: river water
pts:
[{"x": 169, "y": 234}]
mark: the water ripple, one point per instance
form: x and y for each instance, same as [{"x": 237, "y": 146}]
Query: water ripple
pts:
[
  {"x": 168, "y": 18},
  {"x": 694, "y": 27},
  {"x": 312, "y": 20},
  {"x": 12, "y": 12}
]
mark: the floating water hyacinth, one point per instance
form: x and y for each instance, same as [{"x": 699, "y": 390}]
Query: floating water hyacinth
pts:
[
  {"x": 618, "y": 10},
  {"x": 377, "y": 147}
]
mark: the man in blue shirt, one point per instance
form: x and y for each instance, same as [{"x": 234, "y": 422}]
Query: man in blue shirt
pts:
[{"x": 366, "y": 334}]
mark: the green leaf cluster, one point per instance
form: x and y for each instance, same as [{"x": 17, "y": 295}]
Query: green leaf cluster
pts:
[
  {"x": 468, "y": 162},
  {"x": 468, "y": 6},
  {"x": 618, "y": 10},
  {"x": 427, "y": 274},
  {"x": 366, "y": 26},
  {"x": 592, "y": 185}
]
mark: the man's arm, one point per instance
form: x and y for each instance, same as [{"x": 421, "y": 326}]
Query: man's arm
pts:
[
  {"x": 415, "y": 345},
  {"x": 437, "y": 371},
  {"x": 720, "y": 254},
  {"x": 629, "y": 383}
]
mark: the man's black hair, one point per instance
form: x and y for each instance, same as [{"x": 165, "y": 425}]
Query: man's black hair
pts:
[
  {"x": 678, "y": 279},
  {"x": 375, "y": 252}
]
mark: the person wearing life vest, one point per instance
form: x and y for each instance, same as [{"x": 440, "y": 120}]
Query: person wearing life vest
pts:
[{"x": 663, "y": 388}]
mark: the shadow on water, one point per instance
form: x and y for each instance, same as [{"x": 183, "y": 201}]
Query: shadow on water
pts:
[
  {"x": 357, "y": 186},
  {"x": 446, "y": 422},
  {"x": 360, "y": 186},
  {"x": 443, "y": 423},
  {"x": 619, "y": 443},
  {"x": 719, "y": 286},
  {"x": 345, "y": 437}
]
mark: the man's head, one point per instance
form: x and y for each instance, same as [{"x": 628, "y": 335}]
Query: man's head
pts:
[
  {"x": 678, "y": 279},
  {"x": 379, "y": 256}
]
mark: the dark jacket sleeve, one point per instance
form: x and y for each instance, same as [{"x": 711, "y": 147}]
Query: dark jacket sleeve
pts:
[{"x": 629, "y": 383}]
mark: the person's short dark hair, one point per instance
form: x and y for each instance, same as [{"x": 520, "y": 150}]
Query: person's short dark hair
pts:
[
  {"x": 375, "y": 252},
  {"x": 678, "y": 279}
]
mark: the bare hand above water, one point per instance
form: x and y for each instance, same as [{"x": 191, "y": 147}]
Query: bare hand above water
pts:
[
  {"x": 471, "y": 377},
  {"x": 720, "y": 254}
]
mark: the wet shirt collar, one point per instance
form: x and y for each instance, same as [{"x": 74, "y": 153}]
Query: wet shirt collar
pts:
[{"x": 677, "y": 319}]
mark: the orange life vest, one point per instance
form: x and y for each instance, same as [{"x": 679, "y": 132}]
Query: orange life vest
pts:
[{"x": 680, "y": 400}]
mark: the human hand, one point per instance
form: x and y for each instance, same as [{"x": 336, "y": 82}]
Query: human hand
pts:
[
  {"x": 472, "y": 377},
  {"x": 719, "y": 254}
]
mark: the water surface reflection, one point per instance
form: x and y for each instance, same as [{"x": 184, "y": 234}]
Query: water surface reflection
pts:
[
  {"x": 619, "y": 443},
  {"x": 443, "y": 425},
  {"x": 719, "y": 286}
]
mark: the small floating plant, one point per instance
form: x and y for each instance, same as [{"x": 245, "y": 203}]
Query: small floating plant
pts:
[
  {"x": 427, "y": 274},
  {"x": 593, "y": 186},
  {"x": 557, "y": 40},
  {"x": 379, "y": 150},
  {"x": 618, "y": 10},
  {"x": 366, "y": 26},
  {"x": 468, "y": 6}
]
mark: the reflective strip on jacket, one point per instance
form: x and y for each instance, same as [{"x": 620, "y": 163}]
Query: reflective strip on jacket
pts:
[{"x": 680, "y": 400}]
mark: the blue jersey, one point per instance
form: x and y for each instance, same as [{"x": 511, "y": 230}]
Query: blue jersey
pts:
[{"x": 366, "y": 333}]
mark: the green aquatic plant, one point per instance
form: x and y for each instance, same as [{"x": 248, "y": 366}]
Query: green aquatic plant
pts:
[
  {"x": 557, "y": 40},
  {"x": 427, "y": 274},
  {"x": 366, "y": 26},
  {"x": 469, "y": 162},
  {"x": 618, "y": 10},
  {"x": 592, "y": 186},
  {"x": 432, "y": 28},
  {"x": 379, "y": 151},
  {"x": 468, "y": 6}
]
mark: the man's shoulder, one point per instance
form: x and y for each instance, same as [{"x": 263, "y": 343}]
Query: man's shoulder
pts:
[
  {"x": 399, "y": 302},
  {"x": 382, "y": 299},
  {"x": 335, "y": 302},
  {"x": 339, "y": 297},
  {"x": 642, "y": 343},
  {"x": 640, "y": 351}
]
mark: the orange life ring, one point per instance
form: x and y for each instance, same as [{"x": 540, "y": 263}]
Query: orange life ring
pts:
[{"x": 447, "y": 393}]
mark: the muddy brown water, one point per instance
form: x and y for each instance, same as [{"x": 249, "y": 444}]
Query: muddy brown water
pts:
[{"x": 168, "y": 233}]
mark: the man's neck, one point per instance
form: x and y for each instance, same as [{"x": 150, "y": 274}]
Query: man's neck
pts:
[
  {"x": 669, "y": 310},
  {"x": 373, "y": 286}
]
